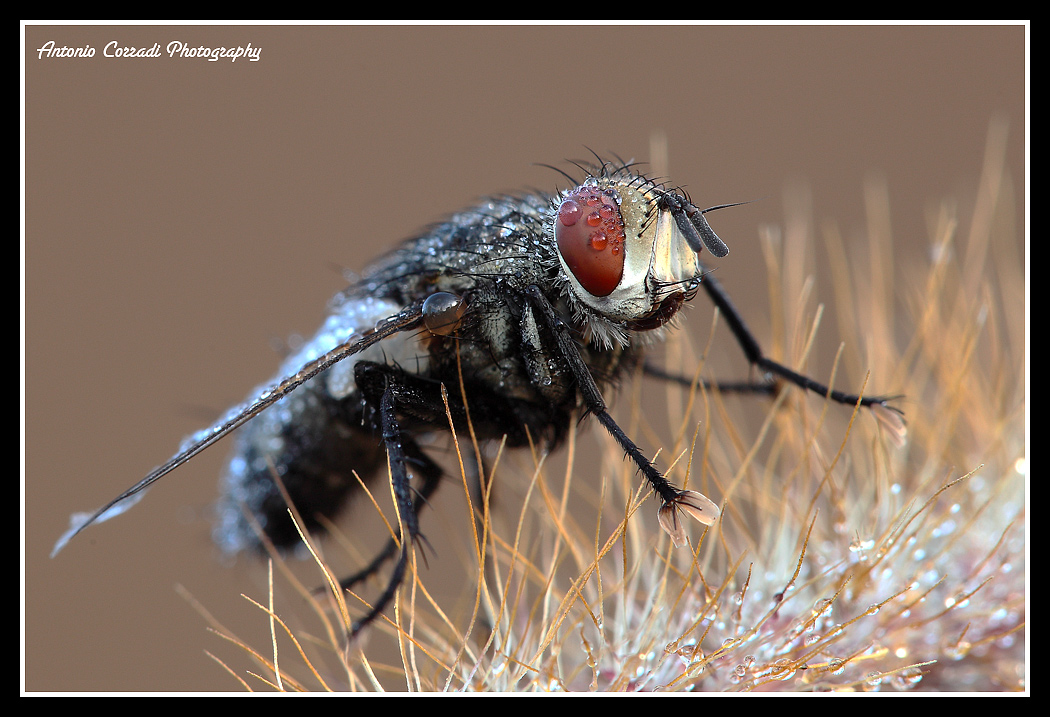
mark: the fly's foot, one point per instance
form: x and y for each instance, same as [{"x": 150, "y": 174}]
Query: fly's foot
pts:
[{"x": 696, "y": 505}]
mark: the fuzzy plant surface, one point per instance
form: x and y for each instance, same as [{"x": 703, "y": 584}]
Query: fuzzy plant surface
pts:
[{"x": 854, "y": 551}]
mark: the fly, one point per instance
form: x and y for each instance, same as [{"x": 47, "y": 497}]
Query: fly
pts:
[{"x": 537, "y": 301}]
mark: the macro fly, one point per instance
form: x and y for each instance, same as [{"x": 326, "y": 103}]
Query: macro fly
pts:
[{"x": 515, "y": 313}]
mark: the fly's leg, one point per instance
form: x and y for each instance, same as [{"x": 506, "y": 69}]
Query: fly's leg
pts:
[
  {"x": 431, "y": 474},
  {"x": 754, "y": 355},
  {"x": 768, "y": 388},
  {"x": 402, "y": 451},
  {"x": 592, "y": 397},
  {"x": 675, "y": 502}
]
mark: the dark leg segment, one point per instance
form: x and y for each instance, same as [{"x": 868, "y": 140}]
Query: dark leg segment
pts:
[
  {"x": 768, "y": 388},
  {"x": 402, "y": 451},
  {"x": 754, "y": 355},
  {"x": 431, "y": 474},
  {"x": 592, "y": 397}
]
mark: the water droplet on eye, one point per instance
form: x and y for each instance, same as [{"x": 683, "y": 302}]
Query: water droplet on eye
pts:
[
  {"x": 569, "y": 212},
  {"x": 591, "y": 249}
]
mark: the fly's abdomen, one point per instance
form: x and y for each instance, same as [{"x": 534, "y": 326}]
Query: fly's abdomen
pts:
[
  {"x": 314, "y": 439},
  {"x": 307, "y": 442}
]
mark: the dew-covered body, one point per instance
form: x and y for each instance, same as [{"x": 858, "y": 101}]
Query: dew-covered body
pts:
[
  {"x": 513, "y": 315},
  {"x": 515, "y": 382}
]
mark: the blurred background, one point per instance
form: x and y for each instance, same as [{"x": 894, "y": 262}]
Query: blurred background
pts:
[{"x": 184, "y": 217}]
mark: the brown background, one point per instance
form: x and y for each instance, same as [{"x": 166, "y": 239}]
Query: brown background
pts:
[{"x": 182, "y": 214}]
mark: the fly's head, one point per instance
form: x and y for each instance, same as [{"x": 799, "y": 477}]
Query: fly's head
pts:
[{"x": 629, "y": 251}]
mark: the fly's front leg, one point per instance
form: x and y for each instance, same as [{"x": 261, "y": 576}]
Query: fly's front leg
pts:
[
  {"x": 754, "y": 354},
  {"x": 674, "y": 500}
]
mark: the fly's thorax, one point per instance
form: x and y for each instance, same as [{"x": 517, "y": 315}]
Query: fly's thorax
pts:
[{"x": 622, "y": 254}]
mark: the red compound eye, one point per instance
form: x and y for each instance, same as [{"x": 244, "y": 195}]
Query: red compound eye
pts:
[{"x": 590, "y": 235}]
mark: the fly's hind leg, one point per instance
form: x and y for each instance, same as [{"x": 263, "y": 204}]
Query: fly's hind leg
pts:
[
  {"x": 384, "y": 389},
  {"x": 430, "y": 472}
]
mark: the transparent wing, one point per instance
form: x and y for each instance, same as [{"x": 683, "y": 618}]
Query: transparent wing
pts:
[{"x": 239, "y": 415}]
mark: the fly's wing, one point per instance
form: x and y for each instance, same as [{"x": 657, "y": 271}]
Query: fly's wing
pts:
[{"x": 241, "y": 414}]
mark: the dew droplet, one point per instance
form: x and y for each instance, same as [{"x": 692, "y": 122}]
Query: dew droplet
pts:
[
  {"x": 783, "y": 669},
  {"x": 906, "y": 679},
  {"x": 873, "y": 681}
]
